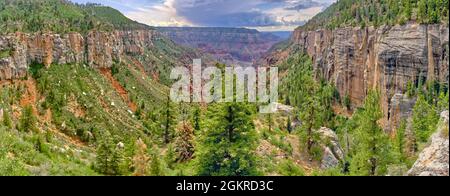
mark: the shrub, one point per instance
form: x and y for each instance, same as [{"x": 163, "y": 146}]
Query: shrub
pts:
[
  {"x": 5, "y": 53},
  {"x": 289, "y": 168},
  {"x": 7, "y": 120},
  {"x": 27, "y": 121}
]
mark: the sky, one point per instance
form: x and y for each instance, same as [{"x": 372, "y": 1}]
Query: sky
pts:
[{"x": 263, "y": 15}]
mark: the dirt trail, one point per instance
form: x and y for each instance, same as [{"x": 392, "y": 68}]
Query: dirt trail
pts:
[
  {"x": 119, "y": 88},
  {"x": 299, "y": 157}
]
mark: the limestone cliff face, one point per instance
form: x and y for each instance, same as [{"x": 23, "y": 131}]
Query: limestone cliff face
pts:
[
  {"x": 433, "y": 160},
  {"x": 96, "y": 49},
  {"x": 359, "y": 59}
]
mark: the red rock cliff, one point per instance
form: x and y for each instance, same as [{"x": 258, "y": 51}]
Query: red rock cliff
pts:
[{"x": 96, "y": 49}]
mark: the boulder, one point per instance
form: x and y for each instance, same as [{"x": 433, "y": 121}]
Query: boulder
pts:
[
  {"x": 332, "y": 151},
  {"x": 434, "y": 159}
]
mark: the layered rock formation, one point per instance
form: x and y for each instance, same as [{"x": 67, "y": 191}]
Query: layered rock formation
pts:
[
  {"x": 385, "y": 58},
  {"x": 434, "y": 159},
  {"x": 96, "y": 49},
  {"x": 230, "y": 45}
]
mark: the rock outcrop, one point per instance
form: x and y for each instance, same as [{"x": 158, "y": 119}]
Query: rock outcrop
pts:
[
  {"x": 332, "y": 151},
  {"x": 434, "y": 159},
  {"x": 385, "y": 58},
  {"x": 96, "y": 49}
]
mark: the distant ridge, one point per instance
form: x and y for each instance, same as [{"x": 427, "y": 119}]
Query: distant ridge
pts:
[{"x": 228, "y": 45}]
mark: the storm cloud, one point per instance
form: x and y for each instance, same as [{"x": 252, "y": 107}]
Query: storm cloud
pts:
[{"x": 269, "y": 14}]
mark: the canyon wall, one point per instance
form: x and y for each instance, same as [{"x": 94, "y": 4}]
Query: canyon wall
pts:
[
  {"x": 229, "y": 45},
  {"x": 97, "y": 49},
  {"x": 385, "y": 58}
]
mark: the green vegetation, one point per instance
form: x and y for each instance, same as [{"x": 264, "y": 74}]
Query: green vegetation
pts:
[
  {"x": 228, "y": 141},
  {"x": 27, "y": 121},
  {"x": 120, "y": 121},
  {"x": 5, "y": 53},
  {"x": 372, "y": 151},
  {"x": 288, "y": 168},
  {"x": 425, "y": 119},
  {"x": 109, "y": 156},
  {"x": 312, "y": 98},
  {"x": 364, "y": 13},
  {"x": 60, "y": 16}
]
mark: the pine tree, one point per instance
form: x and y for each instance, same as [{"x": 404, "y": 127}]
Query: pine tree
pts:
[
  {"x": 422, "y": 11},
  {"x": 196, "y": 118},
  {"x": 309, "y": 116},
  {"x": 171, "y": 156},
  {"x": 118, "y": 160},
  {"x": 155, "y": 166},
  {"x": 169, "y": 121},
  {"x": 407, "y": 9},
  {"x": 310, "y": 111},
  {"x": 184, "y": 142},
  {"x": 7, "y": 120},
  {"x": 228, "y": 144},
  {"x": 269, "y": 121},
  {"x": 372, "y": 153},
  {"x": 289, "y": 125},
  {"x": 110, "y": 157},
  {"x": 400, "y": 141},
  {"x": 424, "y": 119},
  {"x": 27, "y": 121},
  {"x": 140, "y": 159},
  {"x": 433, "y": 12},
  {"x": 105, "y": 148}
]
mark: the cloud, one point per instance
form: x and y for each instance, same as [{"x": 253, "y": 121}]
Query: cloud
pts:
[
  {"x": 262, "y": 14},
  {"x": 305, "y": 4}
]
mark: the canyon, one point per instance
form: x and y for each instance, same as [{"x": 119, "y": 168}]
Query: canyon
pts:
[
  {"x": 386, "y": 58},
  {"x": 228, "y": 45}
]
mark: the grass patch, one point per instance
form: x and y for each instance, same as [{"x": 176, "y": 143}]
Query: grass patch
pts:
[{"x": 5, "y": 53}]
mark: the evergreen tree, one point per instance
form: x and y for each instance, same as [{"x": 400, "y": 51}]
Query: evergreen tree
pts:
[
  {"x": 105, "y": 149},
  {"x": 27, "y": 121},
  {"x": 269, "y": 121},
  {"x": 171, "y": 156},
  {"x": 372, "y": 152},
  {"x": 407, "y": 9},
  {"x": 155, "y": 166},
  {"x": 228, "y": 144},
  {"x": 347, "y": 102},
  {"x": 424, "y": 118},
  {"x": 184, "y": 143},
  {"x": 7, "y": 120},
  {"x": 118, "y": 160},
  {"x": 289, "y": 125},
  {"x": 309, "y": 115},
  {"x": 196, "y": 118},
  {"x": 433, "y": 12},
  {"x": 110, "y": 157},
  {"x": 140, "y": 159},
  {"x": 169, "y": 121},
  {"x": 422, "y": 14},
  {"x": 400, "y": 141}
]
